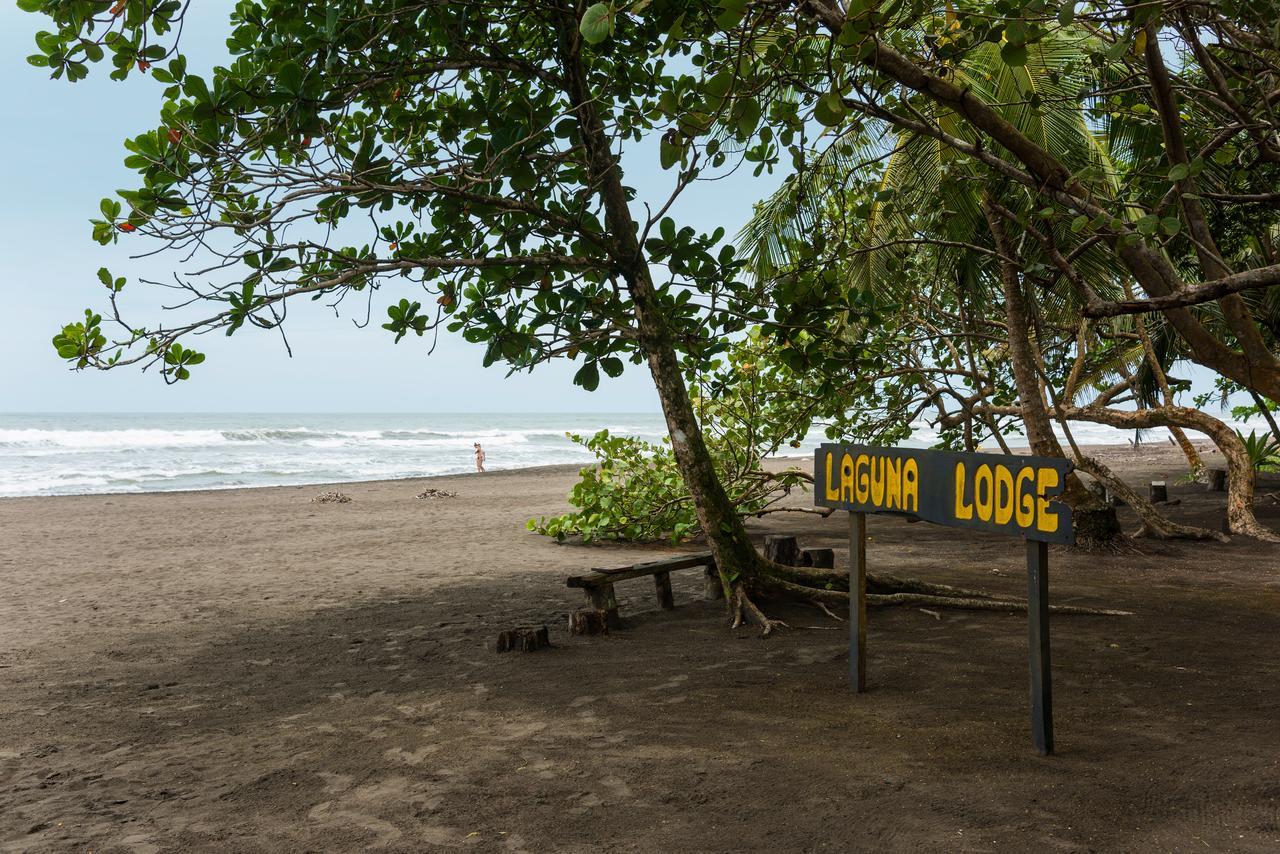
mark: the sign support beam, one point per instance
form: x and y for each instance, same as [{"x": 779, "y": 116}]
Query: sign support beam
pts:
[
  {"x": 1038, "y": 646},
  {"x": 1009, "y": 494},
  {"x": 858, "y": 602}
]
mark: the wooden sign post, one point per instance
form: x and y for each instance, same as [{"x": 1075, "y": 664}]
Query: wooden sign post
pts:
[{"x": 1004, "y": 494}]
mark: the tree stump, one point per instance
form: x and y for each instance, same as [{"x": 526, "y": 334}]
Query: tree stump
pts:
[
  {"x": 783, "y": 550},
  {"x": 524, "y": 639},
  {"x": 590, "y": 621},
  {"x": 711, "y": 586},
  {"x": 1159, "y": 492},
  {"x": 818, "y": 558},
  {"x": 1217, "y": 480},
  {"x": 662, "y": 582}
]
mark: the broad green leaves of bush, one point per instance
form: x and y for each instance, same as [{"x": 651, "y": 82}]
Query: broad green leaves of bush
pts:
[{"x": 634, "y": 492}]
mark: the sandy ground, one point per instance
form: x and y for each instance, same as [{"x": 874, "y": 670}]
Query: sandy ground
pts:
[{"x": 249, "y": 671}]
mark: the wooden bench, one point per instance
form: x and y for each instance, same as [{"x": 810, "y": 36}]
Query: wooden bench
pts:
[{"x": 598, "y": 584}]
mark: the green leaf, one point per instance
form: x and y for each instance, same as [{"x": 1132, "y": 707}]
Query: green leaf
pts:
[
  {"x": 588, "y": 376},
  {"x": 1067, "y": 13},
  {"x": 668, "y": 154},
  {"x": 1014, "y": 55},
  {"x": 731, "y": 13},
  {"x": 1179, "y": 172},
  {"x": 597, "y": 23},
  {"x": 1148, "y": 224},
  {"x": 289, "y": 78},
  {"x": 830, "y": 109}
]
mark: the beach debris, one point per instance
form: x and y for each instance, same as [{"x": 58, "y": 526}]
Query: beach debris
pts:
[
  {"x": 589, "y": 621},
  {"x": 524, "y": 639},
  {"x": 332, "y": 497},
  {"x": 437, "y": 493}
]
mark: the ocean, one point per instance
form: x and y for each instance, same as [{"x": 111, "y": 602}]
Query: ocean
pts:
[{"x": 67, "y": 454}]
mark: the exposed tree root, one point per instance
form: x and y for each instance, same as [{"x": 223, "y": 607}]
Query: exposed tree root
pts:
[
  {"x": 743, "y": 610},
  {"x": 892, "y": 584},
  {"x": 969, "y": 604},
  {"x": 979, "y": 602},
  {"x": 829, "y": 588},
  {"x": 835, "y": 579},
  {"x": 832, "y": 614},
  {"x": 1153, "y": 523},
  {"x": 1240, "y": 474}
]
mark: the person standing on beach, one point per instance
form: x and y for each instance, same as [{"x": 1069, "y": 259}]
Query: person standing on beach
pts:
[{"x": 479, "y": 457}]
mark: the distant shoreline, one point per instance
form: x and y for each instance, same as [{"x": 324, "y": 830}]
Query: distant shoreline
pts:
[{"x": 1153, "y": 452}]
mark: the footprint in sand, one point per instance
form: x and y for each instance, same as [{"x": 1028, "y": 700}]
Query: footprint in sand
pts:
[
  {"x": 617, "y": 788},
  {"x": 672, "y": 683},
  {"x": 355, "y": 807},
  {"x": 330, "y": 814},
  {"x": 399, "y": 754},
  {"x": 519, "y": 732}
]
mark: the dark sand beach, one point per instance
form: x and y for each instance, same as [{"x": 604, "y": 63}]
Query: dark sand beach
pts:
[{"x": 246, "y": 670}]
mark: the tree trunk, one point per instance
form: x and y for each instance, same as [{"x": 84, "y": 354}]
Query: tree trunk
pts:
[
  {"x": 741, "y": 568},
  {"x": 1162, "y": 380},
  {"x": 1094, "y": 523},
  {"x": 1240, "y": 517},
  {"x": 736, "y": 558},
  {"x": 1153, "y": 524}
]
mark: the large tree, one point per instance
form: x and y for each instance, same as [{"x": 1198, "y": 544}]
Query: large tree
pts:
[{"x": 467, "y": 155}]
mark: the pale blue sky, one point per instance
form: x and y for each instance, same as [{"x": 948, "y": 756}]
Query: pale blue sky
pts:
[{"x": 61, "y": 153}]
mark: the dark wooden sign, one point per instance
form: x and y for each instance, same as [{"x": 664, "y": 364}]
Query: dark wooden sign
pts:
[{"x": 1004, "y": 494}]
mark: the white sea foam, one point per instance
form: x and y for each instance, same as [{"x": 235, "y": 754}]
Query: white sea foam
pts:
[{"x": 67, "y": 454}]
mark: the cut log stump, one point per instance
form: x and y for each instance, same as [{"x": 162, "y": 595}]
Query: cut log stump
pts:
[
  {"x": 524, "y": 639},
  {"x": 1217, "y": 480},
  {"x": 818, "y": 558},
  {"x": 591, "y": 621},
  {"x": 1159, "y": 492},
  {"x": 783, "y": 550}
]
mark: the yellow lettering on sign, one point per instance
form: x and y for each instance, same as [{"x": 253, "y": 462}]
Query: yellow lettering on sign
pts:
[
  {"x": 893, "y": 484},
  {"x": 861, "y": 481},
  {"x": 877, "y": 481},
  {"x": 1026, "y": 498},
  {"x": 832, "y": 486},
  {"x": 910, "y": 485},
  {"x": 1004, "y": 495},
  {"x": 982, "y": 492},
  {"x": 1045, "y": 521},
  {"x": 964, "y": 510},
  {"x": 846, "y": 478}
]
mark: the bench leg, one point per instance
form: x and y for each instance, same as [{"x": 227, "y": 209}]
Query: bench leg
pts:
[
  {"x": 602, "y": 597},
  {"x": 662, "y": 581}
]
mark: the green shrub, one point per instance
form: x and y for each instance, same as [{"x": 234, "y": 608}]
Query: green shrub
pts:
[{"x": 634, "y": 491}]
